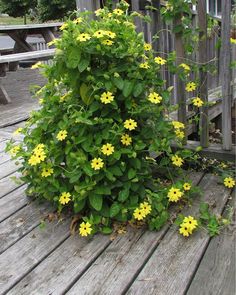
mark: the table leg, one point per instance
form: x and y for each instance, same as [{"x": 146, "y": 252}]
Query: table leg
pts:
[
  {"x": 48, "y": 35},
  {"x": 4, "y": 97}
]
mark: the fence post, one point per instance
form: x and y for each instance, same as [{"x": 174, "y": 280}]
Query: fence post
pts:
[
  {"x": 225, "y": 57},
  {"x": 84, "y": 5},
  {"x": 180, "y": 86},
  {"x": 202, "y": 59}
]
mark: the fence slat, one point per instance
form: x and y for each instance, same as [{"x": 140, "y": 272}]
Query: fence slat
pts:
[
  {"x": 226, "y": 76},
  {"x": 202, "y": 59}
]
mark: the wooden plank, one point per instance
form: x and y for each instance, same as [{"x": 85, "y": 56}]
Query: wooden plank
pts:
[
  {"x": 27, "y": 55},
  {"x": 4, "y": 158},
  {"x": 4, "y": 97},
  {"x": 6, "y": 28},
  {"x": 58, "y": 271},
  {"x": 7, "y": 168},
  {"x": 121, "y": 261},
  {"x": 27, "y": 253},
  {"x": 173, "y": 263},
  {"x": 7, "y": 184},
  {"x": 225, "y": 58},
  {"x": 202, "y": 59},
  {"x": 48, "y": 35},
  {"x": 12, "y": 202},
  {"x": 217, "y": 268},
  {"x": 21, "y": 223}
]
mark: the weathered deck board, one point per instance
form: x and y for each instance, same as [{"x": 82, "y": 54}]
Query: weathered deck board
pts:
[
  {"x": 21, "y": 223},
  {"x": 217, "y": 268},
  {"x": 173, "y": 263},
  {"x": 59, "y": 270},
  {"x": 7, "y": 184},
  {"x": 4, "y": 158},
  {"x": 7, "y": 168},
  {"x": 23, "y": 256},
  {"x": 12, "y": 202}
]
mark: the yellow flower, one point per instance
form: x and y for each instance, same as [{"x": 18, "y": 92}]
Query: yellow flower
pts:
[
  {"x": 39, "y": 148},
  {"x": 106, "y": 97},
  {"x": 185, "y": 230},
  {"x": 186, "y": 186},
  {"x": 65, "y": 198},
  {"x": 177, "y": 161},
  {"x": 33, "y": 160},
  {"x": 40, "y": 155},
  {"x": 78, "y": 20},
  {"x": 99, "y": 11},
  {"x": 229, "y": 182},
  {"x": 185, "y": 67},
  {"x": 144, "y": 65},
  {"x": 36, "y": 66},
  {"x": 41, "y": 101},
  {"x": 64, "y": 97},
  {"x": 99, "y": 34},
  {"x": 130, "y": 124},
  {"x": 107, "y": 42},
  {"x": 177, "y": 124},
  {"x": 154, "y": 97},
  {"x": 139, "y": 214},
  {"x": 190, "y": 222},
  {"x": 18, "y": 131},
  {"x": 85, "y": 229},
  {"x": 232, "y": 41},
  {"x": 126, "y": 139},
  {"x": 197, "y": 102},
  {"x": 159, "y": 60},
  {"x": 83, "y": 37},
  {"x": 64, "y": 26},
  {"x": 13, "y": 151},
  {"x": 51, "y": 42},
  {"x": 46, "y": 172},
  {"x": 62, "y": 135},
  {"x": 147, "y": 47},
  {"x": 107, "y": 149},
  {"x": 118, "y": 11},
  {"x": 110, "y": 34},
  {"x": 174, "y": 194},
  {"x": 191, "y": 86},
  {"x": 146, "y": 207},
  {"x": 179, "y": 134},
  {"x": 97, "y": 163}
]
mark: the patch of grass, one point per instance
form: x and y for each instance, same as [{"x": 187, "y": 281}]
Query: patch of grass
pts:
[{"x": 8, "y": 20}]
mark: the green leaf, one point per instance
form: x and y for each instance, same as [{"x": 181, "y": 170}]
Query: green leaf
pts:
[
  {"x": 131, "y": 173},
  {"x": 123, "y": 195},
  {"x": 115, "y": 209},
  {"x": 102, "y": 190},
  {"x": 88, "y": 169},
  {"x": 85, "y": 94},
  {"x": 96, "y": 201},
  {"x": 106, "y": 230},
  {"x": 83, "y": 64},
  {"x": 115, "y": 170},
  {"x": 73, "y": 57},
  {"x": 128, "y": 87},
  {"x": 79, "y": 205},
  {"x": 138, "y": 89},
  {"x": 119, "y": 83}
]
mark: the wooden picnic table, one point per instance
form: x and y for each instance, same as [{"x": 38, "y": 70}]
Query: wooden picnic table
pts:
[{"x": 19, "y": 34}]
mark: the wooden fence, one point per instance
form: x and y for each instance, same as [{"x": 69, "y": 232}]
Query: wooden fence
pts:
[{"x": 215, "y": 87}]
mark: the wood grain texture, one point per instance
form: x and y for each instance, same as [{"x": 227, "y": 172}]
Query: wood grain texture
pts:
[
  {"x": 7, "y": 184},
  {"x": 22, "y": 222},
  {"x": 59, "y": 270},
  {"x": 173, "y": 263},
  {"x": 12, "y": 202},
  {"x": 23, "y": 256},
  {"x": 7, "y": 168},
  {"x": 216, "y": 272}
]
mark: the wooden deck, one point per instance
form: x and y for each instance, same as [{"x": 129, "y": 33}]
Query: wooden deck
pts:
[
  {"x": 43, "y": 261},
  {"x": 38, "y": 260}
]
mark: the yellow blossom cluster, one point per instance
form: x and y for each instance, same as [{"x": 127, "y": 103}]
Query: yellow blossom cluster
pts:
[
  {"x": 38, "y": 156},
  {"x": 142, "y": 211},
  {"x": 178, "y": 126},
  {"x": 85, "y": 229},
  {"x": 187, "y": 226}
]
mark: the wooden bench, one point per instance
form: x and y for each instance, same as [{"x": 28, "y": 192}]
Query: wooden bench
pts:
[{"x": 16, "y": 57}]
